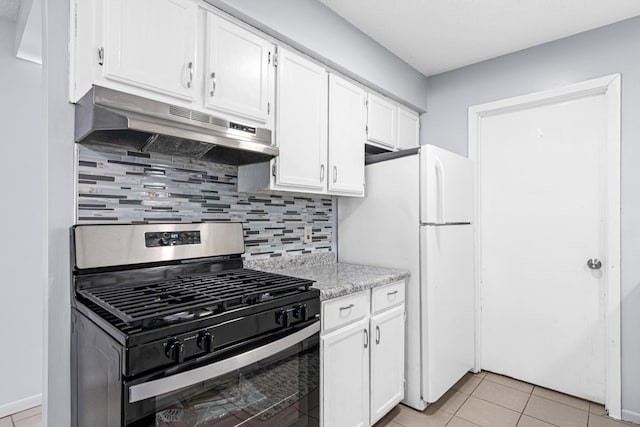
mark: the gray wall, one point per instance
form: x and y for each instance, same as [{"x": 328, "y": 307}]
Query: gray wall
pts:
[
  {"x": 61, "y": 211},
  {"x": 311, "y": 27},
  {"x": 608, "y": 50},
  {"x": 23, "y": 213}
]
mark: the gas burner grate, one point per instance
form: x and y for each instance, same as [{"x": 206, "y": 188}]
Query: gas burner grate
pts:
[{"x": 142, "y": 304}]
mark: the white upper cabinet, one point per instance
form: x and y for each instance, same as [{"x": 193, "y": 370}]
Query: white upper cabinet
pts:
[
  {"x": 301, "y": 123},
  {"x": 347, "y": 114},
  {"x": 239, "y": 71},
  {"x": 390, "y": 125},
  {"x": 408, "y": 132},
  {"x": 381, "y": 121},
  {"x": 152, "y": 44}
]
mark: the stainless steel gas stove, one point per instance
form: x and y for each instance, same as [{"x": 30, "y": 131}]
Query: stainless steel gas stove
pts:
[{"x": 168, "y": 329}]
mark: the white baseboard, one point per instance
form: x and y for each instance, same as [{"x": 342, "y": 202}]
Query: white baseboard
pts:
[
  {"x": 634, "y": 417},
  {"x": 20, "y": 405}
]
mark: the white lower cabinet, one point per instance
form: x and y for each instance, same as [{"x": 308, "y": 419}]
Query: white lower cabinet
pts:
[
  {"x": 346, "y": 372},
  {"x": 387, "y": 361},
  {"x": 362, "y": 356}
]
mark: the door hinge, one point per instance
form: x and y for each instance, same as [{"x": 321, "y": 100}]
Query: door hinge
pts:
[
  {"x": 100, "y": 55},
  {"x": 275, "y": 58},
  {"x": 366, "y": 103},
  {"x": 274, "y": 169},
  {"x": 269, "y": 58},
  {"x": 366, "y": 129},
  {"x": 268, "y": 108}
]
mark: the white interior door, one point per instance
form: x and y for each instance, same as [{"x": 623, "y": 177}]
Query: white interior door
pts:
[{"x": 542, "y": 183}]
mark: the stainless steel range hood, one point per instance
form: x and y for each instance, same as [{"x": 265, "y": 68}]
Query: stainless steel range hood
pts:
[{"x": 109, "y": 117}]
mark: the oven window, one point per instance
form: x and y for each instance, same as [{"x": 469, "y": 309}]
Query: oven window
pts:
[{"x": 282, "y": 391}]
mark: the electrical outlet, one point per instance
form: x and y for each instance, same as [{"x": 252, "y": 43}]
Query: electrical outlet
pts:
[{"x": 308, "y": 233}]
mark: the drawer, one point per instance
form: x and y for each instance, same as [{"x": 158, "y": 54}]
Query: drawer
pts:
[
  {"x": 387, "y": 296},
  {"x": 344, "y": 310}
]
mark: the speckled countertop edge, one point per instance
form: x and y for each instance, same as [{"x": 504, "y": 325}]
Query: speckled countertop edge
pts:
[{"x": 333, "y": 279}]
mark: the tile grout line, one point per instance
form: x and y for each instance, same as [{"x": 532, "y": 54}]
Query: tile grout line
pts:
[
  {"x": 464, "y": 401},
  {"x": 525, "y": 406}
]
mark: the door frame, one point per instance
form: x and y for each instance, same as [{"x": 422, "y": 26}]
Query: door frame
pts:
[{"x": 609, "y": 86}]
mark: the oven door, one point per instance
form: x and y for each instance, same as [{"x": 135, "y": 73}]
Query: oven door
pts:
[{"x": 267, "y": 384}]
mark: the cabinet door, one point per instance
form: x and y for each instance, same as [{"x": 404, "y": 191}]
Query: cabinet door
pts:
[
  {"x": 301, "y": 131},
  {"x": 381, "y": 121},
  {"x": 346, "y": 137},
  {"x": 152, "y": 44},
  {"x": 345, "y": 376},
  {"x": 238, "y": 70},
  {"x": 408, "y": 135},
  {"x": 387, "y": 361}
]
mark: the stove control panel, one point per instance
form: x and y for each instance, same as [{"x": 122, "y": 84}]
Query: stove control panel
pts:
[{"x": 171, "y": 238}]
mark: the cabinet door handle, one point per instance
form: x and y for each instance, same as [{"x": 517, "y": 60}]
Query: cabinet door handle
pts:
[
  {"x": 366, "y": 338},
  {"x": 377, "y": 334},
  {"x": 321, "y": 173},
  {"x": 190, "y": 67},
  {"x": 392, "y": 293},
  {"x": 213, "y": 84},
  {"x": 335, "y": 174},
  {"x": 346, "y": 307}
]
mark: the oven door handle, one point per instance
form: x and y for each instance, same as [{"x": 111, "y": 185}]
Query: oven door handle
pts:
[{"x": 175, "y": 382}]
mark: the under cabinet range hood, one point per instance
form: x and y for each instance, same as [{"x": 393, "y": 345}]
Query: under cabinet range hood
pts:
[{"x": 110, "y": 117}]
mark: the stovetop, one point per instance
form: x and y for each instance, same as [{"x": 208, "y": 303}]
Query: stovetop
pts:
[
  {"x": 170, "y": 294},
  {"x": 161, "y": 302}
]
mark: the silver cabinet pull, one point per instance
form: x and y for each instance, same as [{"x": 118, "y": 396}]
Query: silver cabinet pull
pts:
[
  {"x": 366, "y": 338},
  {"x": 213, "y": 84},
  {"x": 335, "y": 174},
  {"x": 392, "y": 293},
  {"x": 377, "y": 334},
  {"x": 346, "y": 307},
  {"x": 321, "y": 173},
  {"x": 190, "y": 66}
]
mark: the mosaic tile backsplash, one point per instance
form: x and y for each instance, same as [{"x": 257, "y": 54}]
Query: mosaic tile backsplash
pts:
[{"x": 116, "y": 186}]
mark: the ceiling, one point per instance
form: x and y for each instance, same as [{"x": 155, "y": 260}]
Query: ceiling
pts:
[
  {"x": 9, "y": 9},
  {"x": 435, "y": 36}
]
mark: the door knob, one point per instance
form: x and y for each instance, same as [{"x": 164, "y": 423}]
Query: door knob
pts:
[{"x": 594, "y": 263}]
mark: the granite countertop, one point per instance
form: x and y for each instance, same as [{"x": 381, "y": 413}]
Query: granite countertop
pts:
[{"x": 333, "y": 279}]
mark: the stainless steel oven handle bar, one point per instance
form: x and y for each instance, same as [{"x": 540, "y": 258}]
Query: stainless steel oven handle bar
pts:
[{"x": 185, "y": 379}]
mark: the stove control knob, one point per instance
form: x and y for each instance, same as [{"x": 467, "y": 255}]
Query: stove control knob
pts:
[
  {"x": 282, "y": 317},
  {"x": 300, "y": 312},
  {"x": 174, "y": 350},
  {"x": 205, "y": 341}
]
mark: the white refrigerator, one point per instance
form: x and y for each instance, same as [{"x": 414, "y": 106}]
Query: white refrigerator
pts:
[{"x": 417, "y": 215}]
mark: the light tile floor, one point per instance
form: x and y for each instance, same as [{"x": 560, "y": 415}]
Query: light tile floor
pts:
[
  {"x": 29, "y": 418},
  {"x": 490, "y": 400},
  {"x": 484, "y": 399}
]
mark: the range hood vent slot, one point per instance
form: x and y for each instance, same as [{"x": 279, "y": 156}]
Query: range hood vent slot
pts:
[{"x": 109, "y": 117}]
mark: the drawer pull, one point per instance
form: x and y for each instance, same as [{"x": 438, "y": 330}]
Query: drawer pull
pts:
[
  {"x": 392, "y": 293},
  {"x": 346, "y": 307}
]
